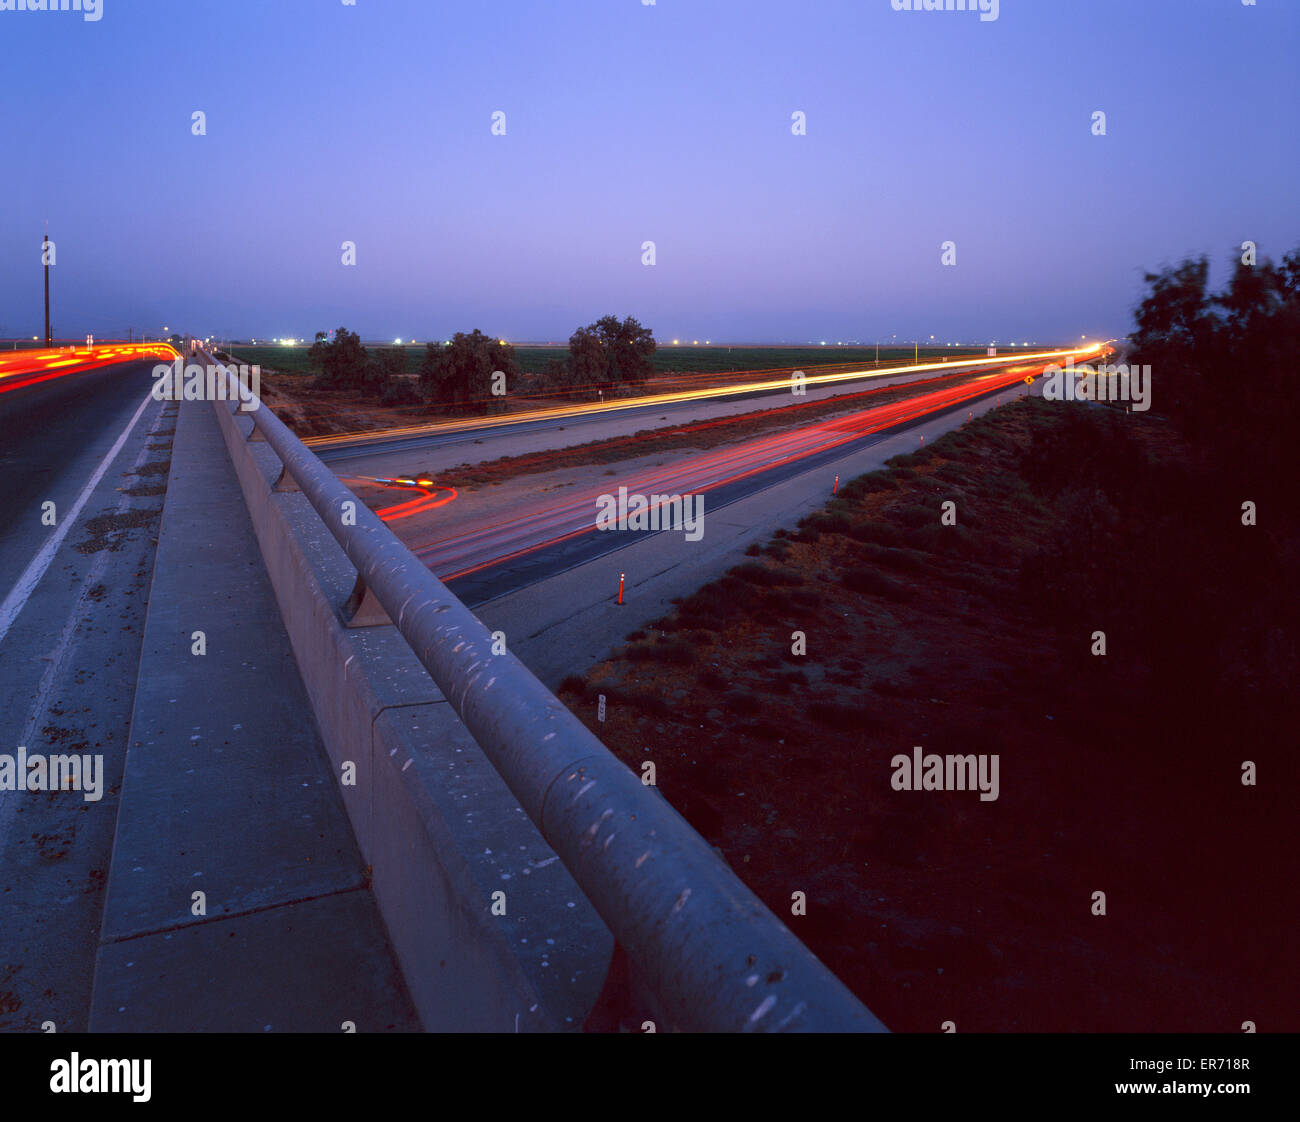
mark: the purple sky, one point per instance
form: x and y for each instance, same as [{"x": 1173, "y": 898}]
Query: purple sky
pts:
[{"x": 628, "y": 122}]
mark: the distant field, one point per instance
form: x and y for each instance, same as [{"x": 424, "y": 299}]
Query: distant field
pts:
[{"x": 667, "y": 359}]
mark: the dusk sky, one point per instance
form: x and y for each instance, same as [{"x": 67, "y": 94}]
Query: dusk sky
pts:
[{"x": 628, "y": 122}]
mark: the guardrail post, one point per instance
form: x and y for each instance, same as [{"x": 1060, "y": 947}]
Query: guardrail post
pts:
[
  {"x": 284, "y": 481},
  {"x": 362, "y": 609}
]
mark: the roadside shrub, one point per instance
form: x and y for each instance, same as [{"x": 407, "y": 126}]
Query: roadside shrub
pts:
[
  {"x": 825, "y": 522},
  {"x": 835, "y": 715},
  {"x": 913, "y": 515},
  {"x": 399, "y": 391},
  {"x": 909, "y": 459},
  {"x": 871, "y": 483},
  {"x": 873, "y": 582},
  {"x": 651, "y": 704},
  {"x": 675, "y": 651},
  {"x": 876, "y": 531},
  {"x": 903, "y": 560},
  {"x": 754, "y": 573},
  {"x": 763, "y": 729}
]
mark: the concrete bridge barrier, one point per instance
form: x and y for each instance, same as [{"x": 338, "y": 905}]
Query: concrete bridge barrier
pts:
[{"x": 471, "y": 778}]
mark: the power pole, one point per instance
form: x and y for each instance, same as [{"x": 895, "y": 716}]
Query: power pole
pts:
[{"x": 45, "y": 257}]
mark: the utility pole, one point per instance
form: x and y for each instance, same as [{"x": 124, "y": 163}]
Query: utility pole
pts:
[{"x": 45, "y": 257}]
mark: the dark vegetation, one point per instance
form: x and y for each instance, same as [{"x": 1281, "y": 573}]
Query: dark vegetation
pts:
[
  {"x": 473, "y": 373},
  {"x": 1119, "y": 772}
]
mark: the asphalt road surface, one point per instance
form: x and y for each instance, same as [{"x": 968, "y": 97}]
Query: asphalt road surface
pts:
[
  {"x": 72, "y": 605},
  {"x": 546, "y": 538},
  {"x": 690, "y": 406}
]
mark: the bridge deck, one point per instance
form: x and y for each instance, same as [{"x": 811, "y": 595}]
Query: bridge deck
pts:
[{"x": 228, "y": 792}]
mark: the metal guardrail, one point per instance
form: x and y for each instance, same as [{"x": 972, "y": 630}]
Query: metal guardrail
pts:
[{"x": 711, "y": 954}]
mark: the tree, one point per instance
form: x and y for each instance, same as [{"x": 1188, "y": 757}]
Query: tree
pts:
[
  {"x": 1175, "y": 330},
  {"x": 610, "y": 352},
  {"x": 343, "y": 363},
  {"x": 556, "y": 374},
  {"x": 588, "y": 359},
  {"x": 389, "y": 377},
  {"x": 346, "y": 365},
  {"x": 390, "y": 363},
  {"x": 459, "y": 376},
  {"x": 1223, "y": 363}
]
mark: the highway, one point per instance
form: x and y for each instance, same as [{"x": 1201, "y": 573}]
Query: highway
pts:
[
  {"x": 87, "y": 438},
  {"x": 545, "y": 536},
  {"x": 727, "y": 398},
  {"x": 24, "y": 369}
]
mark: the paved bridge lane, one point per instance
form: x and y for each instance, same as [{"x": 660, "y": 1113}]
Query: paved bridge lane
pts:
[{"x": 72, "y": 605}]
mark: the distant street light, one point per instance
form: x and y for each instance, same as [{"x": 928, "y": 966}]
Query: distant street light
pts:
[{"x": 45, "y": 257}]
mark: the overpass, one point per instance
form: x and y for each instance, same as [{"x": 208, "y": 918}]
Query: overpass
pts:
[{"x": 342, "y": 801}]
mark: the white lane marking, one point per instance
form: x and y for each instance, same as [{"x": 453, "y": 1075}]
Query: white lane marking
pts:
[
  {"x": 18, "y": 596},
  {"x": 58, "y": 657},
  {"x": 81, "y": 612}
]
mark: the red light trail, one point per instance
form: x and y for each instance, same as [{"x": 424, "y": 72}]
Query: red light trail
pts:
[
  {"x": 27, "y": 368},
  {"x": 538, "y": 528}
]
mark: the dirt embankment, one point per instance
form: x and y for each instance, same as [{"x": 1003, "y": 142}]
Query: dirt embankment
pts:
[
  {"x": 312, "y": 412},
  {"x": 1118, "y": 773}
]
